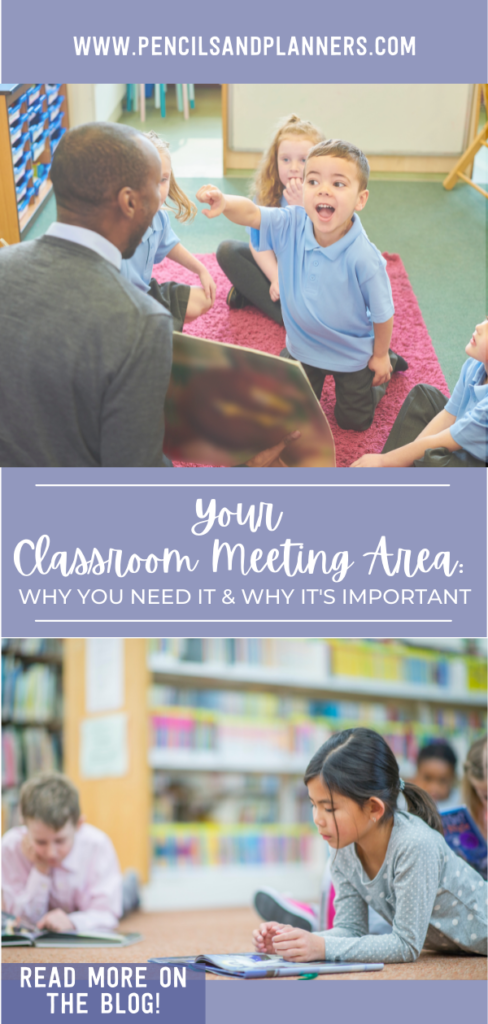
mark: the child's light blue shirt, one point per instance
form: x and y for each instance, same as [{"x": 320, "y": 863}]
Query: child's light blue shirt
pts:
[
  {"x": 469, "y": 404},
  {"x": 155, "y": 244},
  {"x": 283, "y": 202},
  {"x": 330, "y": 297}
]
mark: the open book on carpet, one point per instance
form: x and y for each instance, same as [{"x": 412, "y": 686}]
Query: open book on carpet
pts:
[
  {"x": 22, "y": 935},
  {"x": 262, "y": 965},
  {"x": 225, "y": 404}
]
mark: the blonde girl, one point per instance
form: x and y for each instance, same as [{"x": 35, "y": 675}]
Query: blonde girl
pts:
[
  {"x": 395, "y": 861},
  {"x": 475, "y": 784},
  {"x": 278, "y": 182},
  {"x": 184, "y": 303}
]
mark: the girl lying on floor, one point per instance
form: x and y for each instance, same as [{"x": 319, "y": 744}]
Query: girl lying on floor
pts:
[{"x": 397, "y": 862}]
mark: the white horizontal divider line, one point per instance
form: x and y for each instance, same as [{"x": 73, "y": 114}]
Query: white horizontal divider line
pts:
[
  {"x": 242, "y": 485},
  {"x": 244, "y": 621}
]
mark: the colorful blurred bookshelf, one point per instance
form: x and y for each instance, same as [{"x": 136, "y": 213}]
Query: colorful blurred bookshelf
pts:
[{"x": 32, "y": 712}]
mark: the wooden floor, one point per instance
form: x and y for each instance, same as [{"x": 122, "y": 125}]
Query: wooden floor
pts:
[{"x": 180, "y": 933}]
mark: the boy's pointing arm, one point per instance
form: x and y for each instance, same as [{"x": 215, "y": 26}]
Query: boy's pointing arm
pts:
[{"x": 238, "y": 209}]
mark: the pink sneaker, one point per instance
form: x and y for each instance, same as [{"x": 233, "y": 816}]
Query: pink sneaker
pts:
[{"x": 273, "y": 906}]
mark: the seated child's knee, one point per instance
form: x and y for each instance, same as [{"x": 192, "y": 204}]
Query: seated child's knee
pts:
[
  {"x": 224, "y": 253},
  {"x": 353, "y": 419}
]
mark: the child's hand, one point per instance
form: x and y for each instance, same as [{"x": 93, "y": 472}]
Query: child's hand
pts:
[
  {"x": 298, "y": 945},
  {"x": 274, "y": 290},
  {"x": 208, "y": 285},
  {"x": 263, "y": 936},
  {"x": 368, "y": 461},
  {"x": 56, "y": 921},
  {"x": 214, "y": 197},
  {"x": 293, "y": 192},
  {"x": 28, "y": 850},
  {"x": 382, "y": 369}
]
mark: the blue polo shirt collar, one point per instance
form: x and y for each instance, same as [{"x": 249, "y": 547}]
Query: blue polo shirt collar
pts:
[
  {"x": 332, "y": 252},
  {"x": 479, "y": 387}
]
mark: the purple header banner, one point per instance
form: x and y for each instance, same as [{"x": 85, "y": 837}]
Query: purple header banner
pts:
[
  {"x": 382, "y": 42},
  {"x": 243, "y": 553}
]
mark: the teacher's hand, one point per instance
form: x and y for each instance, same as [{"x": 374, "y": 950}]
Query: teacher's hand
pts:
[{"x": 270, "y": 457}]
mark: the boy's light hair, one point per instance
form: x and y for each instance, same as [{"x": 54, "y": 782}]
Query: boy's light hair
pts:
[
  {"x": 185, "y": 209},
  {"x": 266, "y": 188},
  {"x": 345, "y": 150},
  {"x": 51, "y": 798}
]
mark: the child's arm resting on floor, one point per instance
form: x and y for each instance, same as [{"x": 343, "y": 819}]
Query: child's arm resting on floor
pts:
[
  {"x": 435, "y": 435},
  {"x": 380, "y": 360},
  {"x": 238, "y": 209},
  {"x": 181, "y": 255}
]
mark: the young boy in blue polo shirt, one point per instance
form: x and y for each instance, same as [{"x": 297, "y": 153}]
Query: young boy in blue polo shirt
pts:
[
  {"x": 335, "y": 292},
  {"x": 431, "y": 430}
]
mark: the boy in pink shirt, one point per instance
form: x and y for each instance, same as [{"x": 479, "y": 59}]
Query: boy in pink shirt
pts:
[{"x": 58, "y": 872}]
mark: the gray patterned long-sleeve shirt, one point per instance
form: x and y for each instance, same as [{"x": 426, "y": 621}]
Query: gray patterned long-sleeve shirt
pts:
[{"x": 425, "y": 891}]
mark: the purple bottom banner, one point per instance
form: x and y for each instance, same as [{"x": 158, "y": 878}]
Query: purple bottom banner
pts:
[
  {"x": 98, "y": 992},
  {"x": 179, "y": 995},
  {"x": 202, "y": 552},
  {"x": 357, "y": 1003}
]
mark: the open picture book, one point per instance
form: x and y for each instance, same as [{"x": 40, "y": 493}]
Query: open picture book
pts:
[
  {"x": 226, "y": 403},
  {"x": 465, "y": 838},
  {"x": 22, "y": 935},
  {"x": 262, "y": 965}
]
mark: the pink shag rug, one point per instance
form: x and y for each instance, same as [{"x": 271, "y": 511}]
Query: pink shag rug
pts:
[{"x": 251, "y": 328}]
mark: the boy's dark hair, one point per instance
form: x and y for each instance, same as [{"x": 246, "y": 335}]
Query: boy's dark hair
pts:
[
  {"x": 94, "y": 162},
  {"x": 359, "y": 764},
  {"x": 438, "y": 751},
  {"x": 51, "y": 798},
  {"x": 345, "y": 150}
]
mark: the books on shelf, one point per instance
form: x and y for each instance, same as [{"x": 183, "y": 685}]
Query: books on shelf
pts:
[
  {"x": 28, "y": 751},
  {"x": 196, "y": 845},
  {"x": 319, "y": 660},
  {"x": 30, "y": 693}
]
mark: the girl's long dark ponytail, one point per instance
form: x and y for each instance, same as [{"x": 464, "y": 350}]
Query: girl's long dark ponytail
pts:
[
  {"x": 359, "y": 764},
  {"x": 420, "y": 803}
]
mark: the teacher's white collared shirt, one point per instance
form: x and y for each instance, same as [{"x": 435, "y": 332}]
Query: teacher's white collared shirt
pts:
[{"x": 90, "y": 239}]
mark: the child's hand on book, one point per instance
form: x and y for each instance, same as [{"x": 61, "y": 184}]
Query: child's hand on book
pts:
[
  {"x": 264, "y": 935},
  {"x": 214, "y": 197},
  {"x": 293, "y": 192},
  {"x": 56, "y": 921},
  {"x": 298, "y": 945}
]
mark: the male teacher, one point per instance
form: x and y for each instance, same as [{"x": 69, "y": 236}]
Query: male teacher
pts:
[{"x": 85, "y": 356}]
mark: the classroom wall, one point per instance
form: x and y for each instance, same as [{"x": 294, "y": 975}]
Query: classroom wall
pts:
[
  {"x": 419, "y": 120},
  {"x": 94, "y": 103}
]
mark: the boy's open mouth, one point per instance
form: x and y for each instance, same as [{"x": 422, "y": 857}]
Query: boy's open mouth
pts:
[{"x": 325, "y": 211}]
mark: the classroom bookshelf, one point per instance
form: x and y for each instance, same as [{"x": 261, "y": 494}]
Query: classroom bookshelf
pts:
[
  {"x": 211, "y": 803},
  {"x": 33, "y": 119},
  {"x": 32, "y": 694},
  {"x": 233, "y": 724}
]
